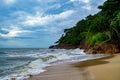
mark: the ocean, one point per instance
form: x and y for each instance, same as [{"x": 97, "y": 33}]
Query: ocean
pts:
[{"x": 19, "y": 63}]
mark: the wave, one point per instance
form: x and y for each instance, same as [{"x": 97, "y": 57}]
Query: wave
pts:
[
  {"x": 3, "y": 53},
  {"x": 42, "y": 59}
]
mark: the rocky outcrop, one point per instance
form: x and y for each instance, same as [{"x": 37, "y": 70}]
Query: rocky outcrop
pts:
[
  {"x": 63, "y": 46},
  {"x": 104, "y": 48}
]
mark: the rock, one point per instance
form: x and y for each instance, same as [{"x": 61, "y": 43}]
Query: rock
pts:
[
  {"x": 104, "y": 48},
  {"x": 63, "y": 46}
]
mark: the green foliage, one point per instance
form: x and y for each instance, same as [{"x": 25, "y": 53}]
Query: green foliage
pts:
[
  {"x": 99, "y": 24},
  {"x": 94, "y": 29},
  {"x": 100, "y": 37},
  {"x": 115, "y": 27}
]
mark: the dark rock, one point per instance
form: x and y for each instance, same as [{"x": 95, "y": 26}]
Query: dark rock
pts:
[
  {"x": 63, "y": 46},
  {"x": 104, "y": 48}
]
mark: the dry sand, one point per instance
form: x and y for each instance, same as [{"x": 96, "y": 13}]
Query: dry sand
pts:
[
  {"x": 110, "y": 71},
  {"x": 97, "y": 69}
]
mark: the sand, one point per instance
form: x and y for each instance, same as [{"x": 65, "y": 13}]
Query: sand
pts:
[
  {"x": 110, "y": 71},
  {"x": 62, "y": 72},
  {"x": 97, "y": 69}
]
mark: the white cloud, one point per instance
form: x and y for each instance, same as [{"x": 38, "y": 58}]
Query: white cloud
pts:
[
  {"x": 41, "y": 19},
  {"x": 85, "y": 1},
  {"x": 55, "y": 6},
  {"x": 12, "y": 32},
  {"x": 88, "y": 7},
  {"x": 8, "y": 2},
  {"x": 46, "y": 1}
]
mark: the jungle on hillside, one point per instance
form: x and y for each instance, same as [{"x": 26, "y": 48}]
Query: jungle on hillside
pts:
[{"x": 96, "y": 33}]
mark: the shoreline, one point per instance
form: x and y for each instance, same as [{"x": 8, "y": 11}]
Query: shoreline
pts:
[
  {"x": 63, "y": 71},
  {"x": 85, "y": 70}
]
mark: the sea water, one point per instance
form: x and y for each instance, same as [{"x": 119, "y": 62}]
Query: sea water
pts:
[{"x": 20, "y": 63}]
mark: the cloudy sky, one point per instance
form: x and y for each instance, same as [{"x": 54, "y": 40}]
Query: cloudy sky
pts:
[{"x": 40, "y": 23}]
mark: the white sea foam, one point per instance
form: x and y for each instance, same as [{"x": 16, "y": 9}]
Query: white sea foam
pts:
[{"x": 44, "y": 59}]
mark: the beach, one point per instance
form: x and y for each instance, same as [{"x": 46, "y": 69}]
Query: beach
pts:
[
  {"x": 109, "y": 71},
  {"x": 96, "y": 69},
  {"x": 65, "y": 71}
]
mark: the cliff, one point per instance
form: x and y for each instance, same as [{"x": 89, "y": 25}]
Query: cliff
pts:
[{"x": 98, "y": 33}]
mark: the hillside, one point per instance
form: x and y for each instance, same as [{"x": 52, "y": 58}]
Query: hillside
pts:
[{"x": 99, "y": 33}]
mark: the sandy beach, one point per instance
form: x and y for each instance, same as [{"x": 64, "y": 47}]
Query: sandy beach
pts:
[
  {"x": 110, "y": 71},
  {"x": 98, "y": 69}
]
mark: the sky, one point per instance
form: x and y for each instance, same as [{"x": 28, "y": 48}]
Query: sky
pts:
[{"x": 40, "y": 23}]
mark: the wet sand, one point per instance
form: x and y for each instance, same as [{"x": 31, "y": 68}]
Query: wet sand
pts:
[
  {"x": 97, "y": 69},
  {"x": 64, "y": 71}
]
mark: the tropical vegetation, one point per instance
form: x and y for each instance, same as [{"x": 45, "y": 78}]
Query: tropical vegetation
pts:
[{"x": 103, "y": 27}]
